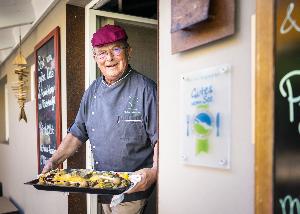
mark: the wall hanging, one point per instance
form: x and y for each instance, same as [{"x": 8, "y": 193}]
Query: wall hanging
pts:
[
  {"x": 21, "y": 86},
  {"x": 195, "y": 23}
]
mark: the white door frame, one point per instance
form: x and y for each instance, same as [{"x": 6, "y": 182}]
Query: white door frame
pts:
[{"x": 90, "y": 68}]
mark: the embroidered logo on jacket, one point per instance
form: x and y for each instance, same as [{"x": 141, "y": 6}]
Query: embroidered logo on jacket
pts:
[{"x": 132, "y": 106}]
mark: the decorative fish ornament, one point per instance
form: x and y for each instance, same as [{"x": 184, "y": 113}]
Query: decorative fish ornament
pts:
[{"x": 20, "y": 87}]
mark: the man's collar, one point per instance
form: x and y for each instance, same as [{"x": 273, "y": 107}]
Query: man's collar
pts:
[{"x": 125, "y": 74}]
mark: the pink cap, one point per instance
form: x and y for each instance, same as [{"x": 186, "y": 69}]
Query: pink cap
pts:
[{"x": 108, "y": 34}]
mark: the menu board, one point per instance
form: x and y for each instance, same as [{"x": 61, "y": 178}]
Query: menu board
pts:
[
  {"x": 48, "y": 97},
  {"x": 286, "y": 186}
]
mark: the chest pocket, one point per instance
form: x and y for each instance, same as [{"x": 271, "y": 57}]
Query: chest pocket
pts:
[{"x": 130, "y": 128}]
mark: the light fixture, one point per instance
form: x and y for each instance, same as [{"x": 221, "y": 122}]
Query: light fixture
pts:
[{"x": 20, "y": 87}]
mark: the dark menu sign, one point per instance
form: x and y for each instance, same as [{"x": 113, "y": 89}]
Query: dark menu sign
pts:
[
  {"x": 47, "y": 97},
  {"x": 287, "y": 108}
]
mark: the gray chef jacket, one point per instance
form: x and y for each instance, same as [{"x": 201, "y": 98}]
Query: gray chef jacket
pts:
[{"x": 120, "y": 120}]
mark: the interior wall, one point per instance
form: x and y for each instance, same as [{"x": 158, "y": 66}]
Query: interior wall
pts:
[
  {"x": 18, "y": 158},
  {"x": 196, "y": 189},
  {"x": 144, "y": 54}
]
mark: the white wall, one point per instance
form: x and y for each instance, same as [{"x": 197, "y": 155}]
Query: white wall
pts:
[
  {"x": 191, "y": 189},
  {"x": 18, "y": 159}
]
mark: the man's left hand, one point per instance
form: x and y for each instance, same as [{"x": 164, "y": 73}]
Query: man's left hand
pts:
[{"x": 148, "y": 177}]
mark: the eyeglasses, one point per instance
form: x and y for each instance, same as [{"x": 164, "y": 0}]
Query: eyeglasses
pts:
[{"x": 102, "y": 55}]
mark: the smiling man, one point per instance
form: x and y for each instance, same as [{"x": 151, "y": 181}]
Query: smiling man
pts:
[
  {"x": 112, "y": 60},
  {"x": 118, "y": 115}
]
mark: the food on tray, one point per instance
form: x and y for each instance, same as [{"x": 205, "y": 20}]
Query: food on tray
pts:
[{"x": 85, "y": 178}]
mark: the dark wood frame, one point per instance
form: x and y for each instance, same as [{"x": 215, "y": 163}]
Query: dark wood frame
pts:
[
  {"x": 53, "y": 34},
  {"x": 264, "y": 106}
]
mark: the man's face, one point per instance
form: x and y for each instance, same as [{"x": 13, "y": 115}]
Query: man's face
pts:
[{"x": 112, "y": 60}]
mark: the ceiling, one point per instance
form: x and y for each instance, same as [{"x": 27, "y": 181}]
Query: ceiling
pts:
[
  {"x": 19, "y": 17},
  {"x": 144, "y": 8}
]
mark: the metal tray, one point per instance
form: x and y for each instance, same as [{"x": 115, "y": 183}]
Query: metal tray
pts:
[{"x": 76, "y": 189}]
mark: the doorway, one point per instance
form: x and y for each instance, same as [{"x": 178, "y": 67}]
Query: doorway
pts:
[{"x": 142, "y": 37}]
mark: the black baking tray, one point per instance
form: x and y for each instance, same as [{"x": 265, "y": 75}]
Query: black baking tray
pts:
[{"x": 98, "y": 191}]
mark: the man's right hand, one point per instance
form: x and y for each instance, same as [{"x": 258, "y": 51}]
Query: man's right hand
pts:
[
  {"x": 67, "y": 148},
  {"x": 48, "y": 167}
]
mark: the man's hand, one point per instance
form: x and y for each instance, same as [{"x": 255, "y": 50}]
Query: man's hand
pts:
[
  {"x": 67, "y": 148},
  {"x": 148, "y": 177},
  {"x": 48, "y": 167}
]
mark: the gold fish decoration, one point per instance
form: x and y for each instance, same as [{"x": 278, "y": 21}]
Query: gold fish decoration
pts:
[{"x": 20, "y": 87}]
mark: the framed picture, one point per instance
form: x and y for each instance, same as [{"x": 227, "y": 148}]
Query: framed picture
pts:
[{"x": 48, "y": 104}]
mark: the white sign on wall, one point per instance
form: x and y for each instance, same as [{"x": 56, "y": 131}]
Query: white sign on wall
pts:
[{"x": 206, "y": 117}]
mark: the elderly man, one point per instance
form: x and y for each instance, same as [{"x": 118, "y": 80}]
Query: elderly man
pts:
[{"x": 118, "y": 115}]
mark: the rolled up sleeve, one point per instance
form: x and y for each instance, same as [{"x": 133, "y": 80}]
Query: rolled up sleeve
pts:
[{"x": 78, "y": 128}]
